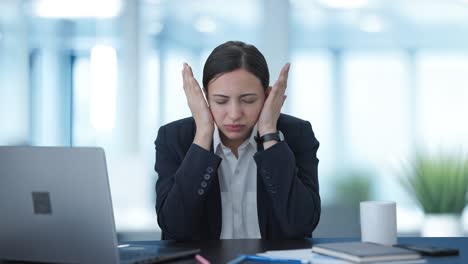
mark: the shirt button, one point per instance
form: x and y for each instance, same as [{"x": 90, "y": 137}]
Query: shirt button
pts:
[
  {"x": 236, "y": 171},
  {"x": 201, "y": 191},
  {"x": 209, "y": 169},
  {"x": 204, "y": 184},
  {"x": 206, "y": 176}
]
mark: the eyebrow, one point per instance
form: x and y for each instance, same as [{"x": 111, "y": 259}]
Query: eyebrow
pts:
[{"x": 243, "y": 95}]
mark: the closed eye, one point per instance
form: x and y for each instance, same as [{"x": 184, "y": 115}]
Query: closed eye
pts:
[
  {"x": 249, "y": 98},
  {"x": 249, "y": 101},
  {"x": 220, "y": 99}
]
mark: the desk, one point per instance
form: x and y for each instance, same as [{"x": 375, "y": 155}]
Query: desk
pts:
[{"x": 221, "y": 251}]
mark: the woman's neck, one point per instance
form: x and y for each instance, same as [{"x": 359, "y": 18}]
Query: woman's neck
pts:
[{"x": 232, "y": 144}]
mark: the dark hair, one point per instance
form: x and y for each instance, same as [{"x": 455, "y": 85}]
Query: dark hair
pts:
[{"x": 234, "y": 55}]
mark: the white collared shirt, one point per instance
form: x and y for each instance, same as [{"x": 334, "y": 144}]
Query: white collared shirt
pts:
[{"x": 238, "y": 185}]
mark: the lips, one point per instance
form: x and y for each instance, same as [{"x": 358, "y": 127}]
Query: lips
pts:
[{"x": 234, "y": 128}]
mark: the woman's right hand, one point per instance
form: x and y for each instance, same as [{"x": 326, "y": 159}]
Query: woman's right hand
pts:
[{"x": 199, "y": 108}]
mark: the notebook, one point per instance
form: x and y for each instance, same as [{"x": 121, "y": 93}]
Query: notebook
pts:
[
  {"x": 56, "y": 207},
  {"x": 365, "y": 252}
]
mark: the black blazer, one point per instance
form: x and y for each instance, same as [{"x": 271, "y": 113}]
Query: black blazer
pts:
[{"x": 288, "y": 200}]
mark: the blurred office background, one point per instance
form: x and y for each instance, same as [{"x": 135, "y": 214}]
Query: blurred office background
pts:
[{"x": 377, "y": 79}]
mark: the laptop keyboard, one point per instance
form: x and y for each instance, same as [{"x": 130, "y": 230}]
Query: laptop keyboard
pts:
[
  {"x": 152, "y": 253},
  {"x": 138, "y": 253}
]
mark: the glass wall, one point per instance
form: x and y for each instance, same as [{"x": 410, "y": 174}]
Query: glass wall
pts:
[{"x": 378, "y": 81}]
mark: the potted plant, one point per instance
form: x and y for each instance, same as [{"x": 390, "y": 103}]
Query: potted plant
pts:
[
  {"x": 353, "y": 188},
  {"x": 439, "y": 184},
  {"x": 340, "y": 213}
]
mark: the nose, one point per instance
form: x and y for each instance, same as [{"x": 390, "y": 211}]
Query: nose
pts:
[{"x": 235, "y": 111}]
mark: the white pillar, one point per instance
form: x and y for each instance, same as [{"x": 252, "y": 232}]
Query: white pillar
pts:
[
  {"x": 128, "y": 118},
  {"x": 14, "y": 77},
  {"x": 275, "y": 38}
]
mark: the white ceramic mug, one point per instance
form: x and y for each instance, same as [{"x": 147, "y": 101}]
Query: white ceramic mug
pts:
[{"x": 378, "y": 222}]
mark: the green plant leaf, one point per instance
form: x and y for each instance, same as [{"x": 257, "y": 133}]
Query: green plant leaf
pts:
[{"x": 438, "y": 183}]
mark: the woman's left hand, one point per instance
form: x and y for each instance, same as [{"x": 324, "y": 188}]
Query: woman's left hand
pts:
[{"x": 275, "y": 98}]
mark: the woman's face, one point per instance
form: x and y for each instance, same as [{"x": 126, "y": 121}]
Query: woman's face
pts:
[{"x": 236, "y": 99}]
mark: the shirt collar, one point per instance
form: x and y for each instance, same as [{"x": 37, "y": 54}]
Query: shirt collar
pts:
[{"x": 251, "y": 140}]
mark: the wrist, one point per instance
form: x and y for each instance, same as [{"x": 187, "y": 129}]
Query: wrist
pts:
[
  {"x": 203, "y": 139},
  {"x": 274, "y": 137},
  {"x": 204, "y": 128},
  {"x": 271, "y": 143},
  {"x": 204, "y": 132},
  {"x": 268, "y": 130}
]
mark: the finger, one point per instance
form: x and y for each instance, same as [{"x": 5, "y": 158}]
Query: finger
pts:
[
  {"x": 281, "y": 82},
  {"x": 184, "y": 76},
  {"x": 193, "y": 81},
  {"x": 286, "y": 68},
  {"x": 283, "y": 78},
  {"x": 190, "y": 83},
  {"x": 284, "y": 99},
  {"x": 187, "y": 71},
  {"x": 195, "y": 84},
  {"x": 190, "y": 70},
  {"x": 267, "y": 92}
]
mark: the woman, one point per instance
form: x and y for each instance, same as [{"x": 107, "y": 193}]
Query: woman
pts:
[{"x": 237, "y": 168}]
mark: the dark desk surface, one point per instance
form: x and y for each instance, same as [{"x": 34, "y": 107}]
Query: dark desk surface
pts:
[{"x": 221, "y": 251}]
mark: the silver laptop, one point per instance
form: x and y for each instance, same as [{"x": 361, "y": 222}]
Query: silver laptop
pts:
[{"x": 55, "y": 206}]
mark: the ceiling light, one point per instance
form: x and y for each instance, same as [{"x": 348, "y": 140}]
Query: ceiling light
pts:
[
  {"x": 343, "y": 3},
  {"x": 153, "y": 2},
  {"x": 372, "y": 24},
  {"x": 205, "y": 24},
  {"x": 77, "y": 8}
]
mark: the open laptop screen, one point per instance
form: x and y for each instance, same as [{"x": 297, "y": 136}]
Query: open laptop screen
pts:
[{"x": 56, "y": 206}]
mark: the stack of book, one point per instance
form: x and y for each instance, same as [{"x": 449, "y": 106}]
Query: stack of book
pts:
[{"x": 365, "y": 252}]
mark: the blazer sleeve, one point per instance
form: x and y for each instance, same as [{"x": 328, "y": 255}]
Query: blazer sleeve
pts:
[
  {"x": 182, "y": 185},
  {"x": 292, "y": 183}
]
